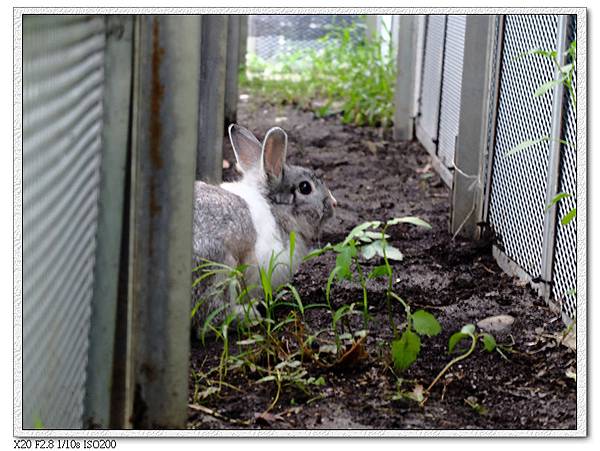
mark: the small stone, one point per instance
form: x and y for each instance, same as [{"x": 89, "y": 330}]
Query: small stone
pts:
[{"x": 499, "y": 324}]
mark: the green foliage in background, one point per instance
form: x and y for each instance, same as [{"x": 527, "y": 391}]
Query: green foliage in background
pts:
[{"x": 351, "y": 75}]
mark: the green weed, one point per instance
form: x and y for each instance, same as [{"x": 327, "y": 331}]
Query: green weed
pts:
[{"x": 350, "y": 75}]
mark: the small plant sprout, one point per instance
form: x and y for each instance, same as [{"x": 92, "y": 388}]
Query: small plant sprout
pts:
[
  {"x": 368, "y": 241},
  {"x": 468, "y": 332}
]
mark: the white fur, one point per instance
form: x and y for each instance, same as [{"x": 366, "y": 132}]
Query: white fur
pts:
[{"x": 267, "y": 237}]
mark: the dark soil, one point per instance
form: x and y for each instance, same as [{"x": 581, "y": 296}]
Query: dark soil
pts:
[{"x": 374, "y": 177}]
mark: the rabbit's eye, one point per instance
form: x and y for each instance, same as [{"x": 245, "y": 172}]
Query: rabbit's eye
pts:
[{"x": 304, "y": 188}]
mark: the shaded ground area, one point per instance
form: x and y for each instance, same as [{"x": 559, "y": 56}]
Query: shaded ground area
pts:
[{"x": 374, "y": 177}]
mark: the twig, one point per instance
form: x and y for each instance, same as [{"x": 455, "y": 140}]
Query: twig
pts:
[{"x": 217, "y": 415}]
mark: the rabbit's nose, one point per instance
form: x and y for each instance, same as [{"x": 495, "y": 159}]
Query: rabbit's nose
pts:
[{"x": 333, "y": 201}]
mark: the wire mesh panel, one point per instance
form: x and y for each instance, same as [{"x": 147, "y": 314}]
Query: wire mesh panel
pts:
[
  {"x": 273, "y": 35},
  {"x": 564, "y": 275},
  {"x": 431, "y": 82},
  {"x": 518, "y": 190},
  {"x": 63, "y": 75},
  {"x": 451, "y": 88}
]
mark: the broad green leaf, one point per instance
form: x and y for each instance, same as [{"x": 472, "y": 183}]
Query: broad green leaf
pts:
[
  {"x": 489, "y": 342},
  {"x": 410, "y": 220},
  {"x": 572, "y": 214},
  {"x": 380, "y": 271},
  {"x": 373, "y": 236},
  {"x": 359, "y": 229},
  {"x": 393, "y": 253},
  {"x": 319, "y": 381},
  {"x": 405, "y": 350},
  {"x": 566, "y": 68},
  {"x": 370, "y": 250},
  {"x": 525, "y": 145},
  {"x": 343, "y": 261},
  {"x": 455, "y": 338},
  {"x": 468, "y": 329},
  {"x": 425, "y": 323},
  {"x": 376, "y": 248},
  {"x": 557, "y": 198},
  {"x": 543, "y": 89}
]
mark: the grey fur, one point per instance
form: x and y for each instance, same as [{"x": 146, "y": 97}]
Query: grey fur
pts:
[
  {"x": 223, "y": 232},
  {"x": 305, "y": 214},
  {"x": 223, "y": 228}
]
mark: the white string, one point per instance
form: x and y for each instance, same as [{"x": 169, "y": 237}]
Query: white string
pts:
[{"x": 476, "y": 183}]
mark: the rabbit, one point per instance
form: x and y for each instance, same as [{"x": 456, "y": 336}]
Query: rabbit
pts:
[{"x": 247, "y": 221}]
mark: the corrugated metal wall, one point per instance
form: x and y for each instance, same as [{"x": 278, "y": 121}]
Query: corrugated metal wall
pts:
[{"x": 63, "y": 76}]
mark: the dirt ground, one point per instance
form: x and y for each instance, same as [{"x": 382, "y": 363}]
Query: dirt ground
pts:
[{"x": 373, "y": 177}]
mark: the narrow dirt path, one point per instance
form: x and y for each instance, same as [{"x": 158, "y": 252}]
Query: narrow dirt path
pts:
[{"x": 373, "y": 177}]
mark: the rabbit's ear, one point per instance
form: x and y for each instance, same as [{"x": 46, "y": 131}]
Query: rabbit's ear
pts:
[
  {"x": 246, "y": 147},
  {"x": 274, "y": 151}
]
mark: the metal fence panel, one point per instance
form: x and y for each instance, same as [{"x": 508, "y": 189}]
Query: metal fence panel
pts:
[
  {"x": 451, "y": 88},
  {"x": 431, "y": 81},
  {"x": 63, "y": 75},
  {"x": 518, "y": 190},
  {"x": 564, "y": 275}
]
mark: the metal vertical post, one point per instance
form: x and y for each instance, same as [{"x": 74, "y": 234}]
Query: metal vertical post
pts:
[
  {"x": 243, "y": 47},
  {"x": 471, "y": 143},
  {"x": 166, "y": 125},
  {"x": 420, "y": 54},
  {"x": 212, "y": 96},
  {"x": 554, "y": 163},
  {"x": 232, "y": 69},
  {"x": 115, "y": 140},
  {"x": 488, "y": 161},
  {"x": 406, "y": 89}
]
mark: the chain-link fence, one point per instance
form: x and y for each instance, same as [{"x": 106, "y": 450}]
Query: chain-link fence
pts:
[{"x": 270, "y": 36}]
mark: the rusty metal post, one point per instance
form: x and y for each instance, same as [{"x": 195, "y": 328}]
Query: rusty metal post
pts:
[
  {"x": 165, "y": 118},
  {"x": 232, "y": 69},
  {"x": 212, "y": 96}
]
